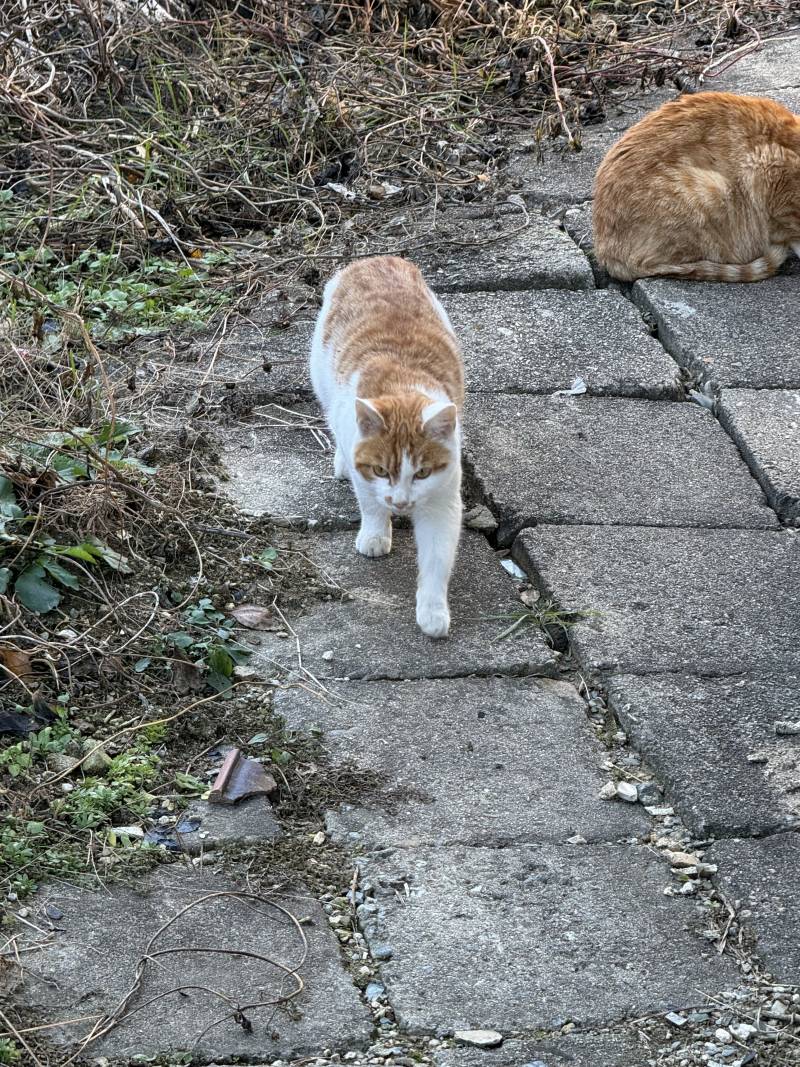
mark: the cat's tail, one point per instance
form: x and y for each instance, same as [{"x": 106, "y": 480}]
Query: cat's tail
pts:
[{"x": 706, "y": 271}]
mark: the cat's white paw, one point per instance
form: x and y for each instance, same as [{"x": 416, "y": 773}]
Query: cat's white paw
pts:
[
  {"x": 433, "y": 619},
  {"x": 372, "y": 544},
  {"x": 340, "y": 466}
]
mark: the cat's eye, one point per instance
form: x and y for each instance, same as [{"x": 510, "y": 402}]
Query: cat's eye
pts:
[
  {"x": 423, "y": 472},
  {"x": 380, "y": 472}
]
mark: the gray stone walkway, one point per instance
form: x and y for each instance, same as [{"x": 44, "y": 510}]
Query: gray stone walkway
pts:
[{"x": 499, "y": 888}]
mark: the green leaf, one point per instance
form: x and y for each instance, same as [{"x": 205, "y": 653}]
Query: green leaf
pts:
[
  {"x": 280, "y": 757},
  {"x": 36, "y": 594},
  {"x": 218, "y": 681},
  {"x": 142, "y": 664},
  {"x": 111, "y": 558},
  {"x": 267, "y": 558},
  {"x": 189, "y": 783},
  {"x": 61, "y": 574},
  {"x": 258, "y": 739},
  {"x": 5, "y": 574},
  {"x": 179, "y": 639},
  {"x": 86, "y": 552},
  {"x": 8, "y": 501},
  {"x": 120, "y": 431},
  {"x": 219, "y": 661}
]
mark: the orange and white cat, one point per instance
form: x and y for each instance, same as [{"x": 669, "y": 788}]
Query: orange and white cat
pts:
[
  {"x": 387, "y": 369},
  {"x": 706, "y": 187}
]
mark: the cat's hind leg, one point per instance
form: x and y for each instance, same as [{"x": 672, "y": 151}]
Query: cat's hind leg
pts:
[
  {"x": 375, "y": 536},
  {"x": 437, "y": 530}
]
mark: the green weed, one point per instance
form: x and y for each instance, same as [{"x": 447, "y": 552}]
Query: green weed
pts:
[
  {"x": 208, "y": 647},
  {"x": 9, "y": 1051},
  {"x": 41, "y": 566},
  {"x": 545, "y": 616},
  {"x": 118, "y": 299}
]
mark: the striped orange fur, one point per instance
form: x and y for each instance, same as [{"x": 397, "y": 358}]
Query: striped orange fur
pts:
[{"x": 706, "y": 187}]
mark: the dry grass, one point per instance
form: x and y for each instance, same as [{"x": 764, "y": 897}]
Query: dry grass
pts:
[{"x": 167, "y": 128}]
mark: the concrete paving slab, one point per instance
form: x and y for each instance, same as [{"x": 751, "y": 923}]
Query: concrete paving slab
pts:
[
  {"x": 765, "y": 424},
  {"x": 600, "y": 460},
  {"x": 529, "y": 938},
  {"x": 520, "y": 252},
  {"x": 538, "y": 342},
  {"x": 76, "y": 974},
  {"x": 741, "y": 335},
  {"x": 263, "y": 363},
  {"x": 205, "y": 826},
  {"x": 606, "y": 1049},
  {"x": 711, "y": 602},
  {"x": 368, "y": 628},
  {"x": 514, "y": 762},
  {"x": 532, "y": 342},
  {"x": 710, "y": 740},
  {"x": 554, "y": 174},
  {"x": 775, "y": 64},
  {"x": 763, "y": 875},
  {"x": 287, "y": 473}
]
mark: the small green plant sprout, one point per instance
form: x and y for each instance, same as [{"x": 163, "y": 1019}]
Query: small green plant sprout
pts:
[
  {"x": 119, "y": 300},
  {"x": 9, "y": 1051},
  {"x": 40, "y": 567},
  {"x": 203, "y": 654},
  {"x": 545, "y": 616}
]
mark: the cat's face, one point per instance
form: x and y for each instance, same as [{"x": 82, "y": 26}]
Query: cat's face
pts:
[{"x": 408, "y": 448}]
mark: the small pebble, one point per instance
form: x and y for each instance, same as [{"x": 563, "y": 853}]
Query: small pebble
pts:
[
  {"x": 675, "y": 1019},
  {"x": 628, "y": 792},
  {"x": 683, "y": 859},
  {"x": 328, "y": 656},
  {"x": 743, "y": 1031},
  {"x": 608, "y": 792},
  {"x": 723, "y": 1036}
]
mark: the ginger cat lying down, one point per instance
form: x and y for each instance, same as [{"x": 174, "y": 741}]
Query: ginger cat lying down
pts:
[
  {"x": 387, "y": 370},
  {"x": 705, "y": 187}
]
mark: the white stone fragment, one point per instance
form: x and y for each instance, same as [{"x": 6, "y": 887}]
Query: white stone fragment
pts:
[
  {"x": 479, "y": 1038},
  {"x": 516, "y": 572},
  {"x": 675, "y": 1019},
  {"x": 683, "y": 859},
  {"x": 743, "y": 1031},
  {"x": 627, "y": 791}
]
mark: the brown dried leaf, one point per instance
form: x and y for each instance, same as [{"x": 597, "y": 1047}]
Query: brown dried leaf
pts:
[
  {"x": 253, "y": 617},
  {"x": 186, "y": 677},
  {"x": 15, "y": 661}
]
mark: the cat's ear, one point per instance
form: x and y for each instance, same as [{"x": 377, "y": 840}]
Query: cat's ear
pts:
[
  {"x": 439, "y": 420},
  {"x": 369, "y": 419}
]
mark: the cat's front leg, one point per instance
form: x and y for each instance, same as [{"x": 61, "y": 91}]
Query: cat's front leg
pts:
[
  {"x": 340, "y": 468},
  {"x": 375, "y": 536},
  {"x": 436, "y": 531}
]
